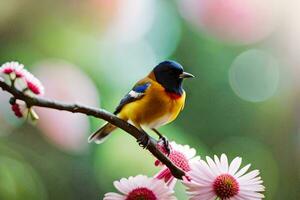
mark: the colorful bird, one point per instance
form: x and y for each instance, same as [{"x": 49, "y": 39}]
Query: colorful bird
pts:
[{"x": 154, "y": 101}]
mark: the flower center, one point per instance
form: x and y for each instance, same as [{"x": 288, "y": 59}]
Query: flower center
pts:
[
  {"x": 180, "y": 160},
  {"x": 161, "y": 147},
  {"x": 225, "y": 186},
  {"x": 141, "y": 194}
]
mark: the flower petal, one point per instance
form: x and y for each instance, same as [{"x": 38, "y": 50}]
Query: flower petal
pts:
[
  {"x": 113, "y": 196},
  {"x": 242, "y": 171},
  {"x": 235, "y": 165},
  {"x": 224, "y": 163}
]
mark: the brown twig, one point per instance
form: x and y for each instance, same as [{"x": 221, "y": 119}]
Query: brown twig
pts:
[{"x": 98, "y": 113}]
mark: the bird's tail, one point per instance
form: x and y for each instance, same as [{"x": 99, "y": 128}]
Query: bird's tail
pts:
[{"x": 102, "y": 134}]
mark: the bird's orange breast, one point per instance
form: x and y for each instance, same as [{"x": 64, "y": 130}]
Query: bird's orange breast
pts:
[{"x": 155, "y": 109}]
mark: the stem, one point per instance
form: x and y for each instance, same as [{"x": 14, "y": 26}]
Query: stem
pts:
[
  {"x": 98, "y": 113},
  {"x": 13, "y": 82}
]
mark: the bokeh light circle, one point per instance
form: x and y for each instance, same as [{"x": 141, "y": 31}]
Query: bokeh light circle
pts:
[
  {"x": 132, "y": 21},
  {"x": 65, "y": 82},
  {"x": 165, "y": 32},
  {"x": 234, "y": 21},
  {"x": 254, "y": 75}
]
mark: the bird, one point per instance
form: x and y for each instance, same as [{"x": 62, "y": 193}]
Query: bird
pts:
[{"x": 154, "y": 101}]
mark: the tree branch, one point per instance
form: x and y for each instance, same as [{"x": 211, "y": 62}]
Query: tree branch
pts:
[{"x": 98, "y": 113}]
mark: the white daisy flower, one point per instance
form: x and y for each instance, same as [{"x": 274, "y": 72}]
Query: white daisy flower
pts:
[
  {"x": 141, "y": 187},
  {"x": 218, "y": 179},
  {"x": 181, "y": 155}
]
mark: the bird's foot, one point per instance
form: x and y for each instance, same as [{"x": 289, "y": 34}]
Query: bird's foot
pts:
[
  {"x": 166, "y": 144},
  {"x": 144, "y": 140}
]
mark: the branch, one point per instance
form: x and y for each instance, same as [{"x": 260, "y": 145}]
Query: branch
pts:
[{"x": 98, "y": 113}]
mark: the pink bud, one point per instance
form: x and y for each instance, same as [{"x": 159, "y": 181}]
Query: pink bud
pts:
[{"x": 17, "y": 110}]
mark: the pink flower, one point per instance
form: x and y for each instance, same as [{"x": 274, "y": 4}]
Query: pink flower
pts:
[
  {"x": 181, "y": 156},
  {"x": 33, "y": 84},
  {"x": 14, "y": 74},
  {"x": 12, "y": 68},
  {"x": 141, "y": 187},
  {"x": 218, "y": 179},
  {"x": 21, "y": 78}
]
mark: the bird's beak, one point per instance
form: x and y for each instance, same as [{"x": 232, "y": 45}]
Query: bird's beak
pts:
[{"x": 186, "y": 75}]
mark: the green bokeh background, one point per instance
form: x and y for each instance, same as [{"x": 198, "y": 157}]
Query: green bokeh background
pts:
[{"x": 215, "y": 119}]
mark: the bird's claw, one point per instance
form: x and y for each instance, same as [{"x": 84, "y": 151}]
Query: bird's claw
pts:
[
  {"x": 144, "y": 140},
  {"x": 166, "y": 144}
]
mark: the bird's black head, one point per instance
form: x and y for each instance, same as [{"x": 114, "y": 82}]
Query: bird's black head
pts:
[{"x": 170, "y": 75}]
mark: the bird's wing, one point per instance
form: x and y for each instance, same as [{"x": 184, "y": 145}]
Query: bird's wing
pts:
[{"x": 137, "y": 92}]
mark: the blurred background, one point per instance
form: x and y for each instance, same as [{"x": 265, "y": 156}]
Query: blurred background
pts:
[{"x": 244, "y": 101}]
